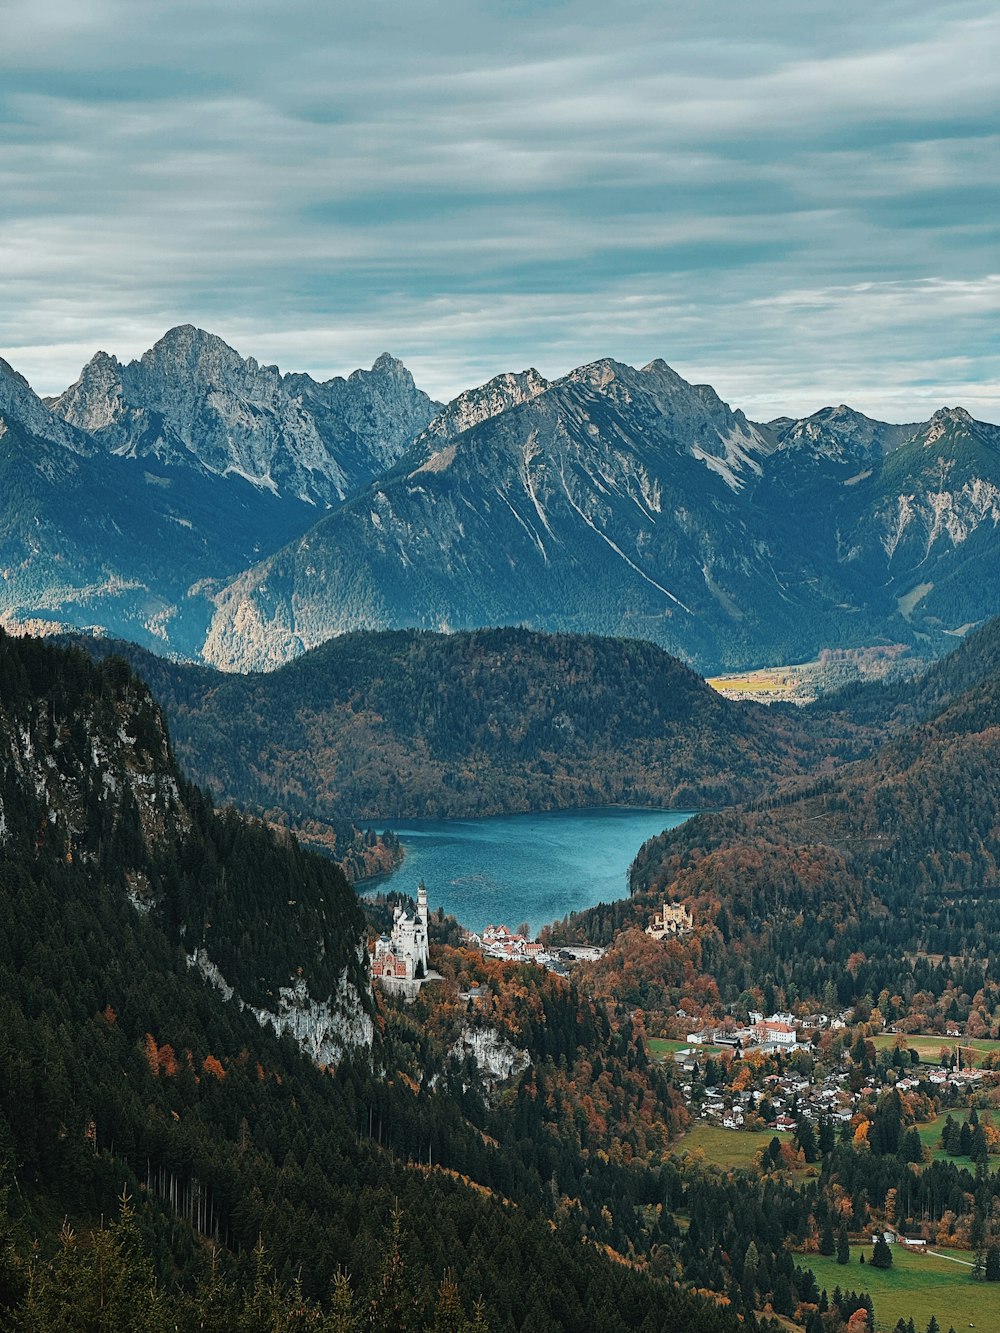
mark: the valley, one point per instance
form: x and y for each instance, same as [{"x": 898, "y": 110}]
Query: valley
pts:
[
  {"x": 499, "y": 668},
  {"x": 156, "y": 815},
  {"x": 590, "y": 1105}
]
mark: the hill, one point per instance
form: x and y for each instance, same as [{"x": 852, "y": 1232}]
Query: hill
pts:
[{"x": 409, "y": 723}]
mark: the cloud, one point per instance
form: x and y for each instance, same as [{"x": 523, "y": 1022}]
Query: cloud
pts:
[{"x": 798, "y": 205}]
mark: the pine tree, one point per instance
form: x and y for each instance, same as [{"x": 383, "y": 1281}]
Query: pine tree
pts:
[
  {"x": 449, "y": 1315},
  {"x": 342, "y": 1318},
  {"x": 881, "y": 1253},
  {"x": 843, "y": 1245}
]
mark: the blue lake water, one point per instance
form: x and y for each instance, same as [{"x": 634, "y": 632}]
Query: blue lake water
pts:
[{"x": 514, "y": 868}]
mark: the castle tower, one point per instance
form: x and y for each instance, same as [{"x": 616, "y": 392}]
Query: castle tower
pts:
[{"x": 421, "y": 930}]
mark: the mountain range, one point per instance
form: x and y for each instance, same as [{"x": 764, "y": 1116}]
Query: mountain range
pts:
[{"x": 204, "y": 505}]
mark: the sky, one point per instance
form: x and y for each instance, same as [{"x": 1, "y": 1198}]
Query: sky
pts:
[{"x": 797, "y": 203}]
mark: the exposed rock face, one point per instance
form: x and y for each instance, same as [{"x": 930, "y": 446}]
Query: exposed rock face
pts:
[
  {"x": 193, "y": 400},
  {"x": 497, "y": 1059},
  {"x": 630, "y": 502},
  {"x": 20, "y": 406},
  {"x": 367, "y": 420},
  {"x": 476, "y": 405},
  {"x": 109, "y": 757},
  {"x": 326, "y": 1030},
  {"x": 142, "y": 483},
  {"x": 838, "y": 434},
  {"x": 612, "y": 500},
  {"x": 89, "y": 785}
]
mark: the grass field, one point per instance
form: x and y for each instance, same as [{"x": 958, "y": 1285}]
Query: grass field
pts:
[
  {"x": 725, "y": 1147},
  {"x": 930, "y": 1134},
  {"x": 916, "y": 1286},
  {"x": 929, "y": 1045},
  {"x": 665, "y": 1048},
  {"x": 767, "y": 685},
  {"x": 801, "y": 682}
]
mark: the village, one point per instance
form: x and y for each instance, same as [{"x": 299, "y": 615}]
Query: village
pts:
[
  {"x": 773, "y": 1072},
  {"x": 513, "y": 947},
  {"x": 768, "y": 1072}
]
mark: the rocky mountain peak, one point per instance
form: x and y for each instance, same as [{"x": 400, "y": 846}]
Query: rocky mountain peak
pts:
[
  {"x": 191, "y": 399},
  {"x": 599, "y": 374},
  {"x": 497, "y": 395},
  {"x": 21, "y": 406},
  {"x": 839, "y": 434},
  {"x": 667, "y": 378},
  {"x": 950, "y": 423},
  {"x": 191, "y": 351},
  {"x": 386, "y": 364},
  {"x": 952, "y": 416},
  {"x": 8, "y": 372},
  {"x": 94, "y": 401}
]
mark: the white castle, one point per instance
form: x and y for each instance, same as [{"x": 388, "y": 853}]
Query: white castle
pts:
[{"x": 402, "y": 956}]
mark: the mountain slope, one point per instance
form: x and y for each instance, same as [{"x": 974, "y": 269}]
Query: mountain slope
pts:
[
  {"x": 610, "y": 501},
  {"x": 90, "y": 539},
  {"x": 145, "y": 482},
  {"x": 89, "y": 778},
  {"x": 882, "y": 878},
  {"x": 613, "y": 500},
  {"x": 123, "y": 1074},
  {"x": 630, "y": 502}
]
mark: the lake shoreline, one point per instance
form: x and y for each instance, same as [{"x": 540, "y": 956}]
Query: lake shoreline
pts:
[{"x": 534, "y": 866}]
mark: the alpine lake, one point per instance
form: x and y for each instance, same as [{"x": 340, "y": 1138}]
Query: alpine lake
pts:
[{"x": 531, "y": 867}]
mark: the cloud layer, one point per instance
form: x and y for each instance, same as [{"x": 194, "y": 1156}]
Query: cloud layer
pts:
[{"x": 796, "y": 206}]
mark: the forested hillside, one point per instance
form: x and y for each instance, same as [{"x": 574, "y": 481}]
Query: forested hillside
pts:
[
  {"x": 121, "y": 1066},
  {"x": 882, "y": 879},
  {"x": 410, "y": 723}
]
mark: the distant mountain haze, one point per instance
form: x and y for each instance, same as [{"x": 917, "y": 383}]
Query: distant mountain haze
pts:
[{"x": 199, "y": 503}]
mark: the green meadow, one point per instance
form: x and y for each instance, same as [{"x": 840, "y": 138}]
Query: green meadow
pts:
[
  {"x": 916, "y": 1286},
  {"x": 725, "y": 1147},
  {"x": 929, "y": 1045},
  {"x": 665, "y": 1048}
]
